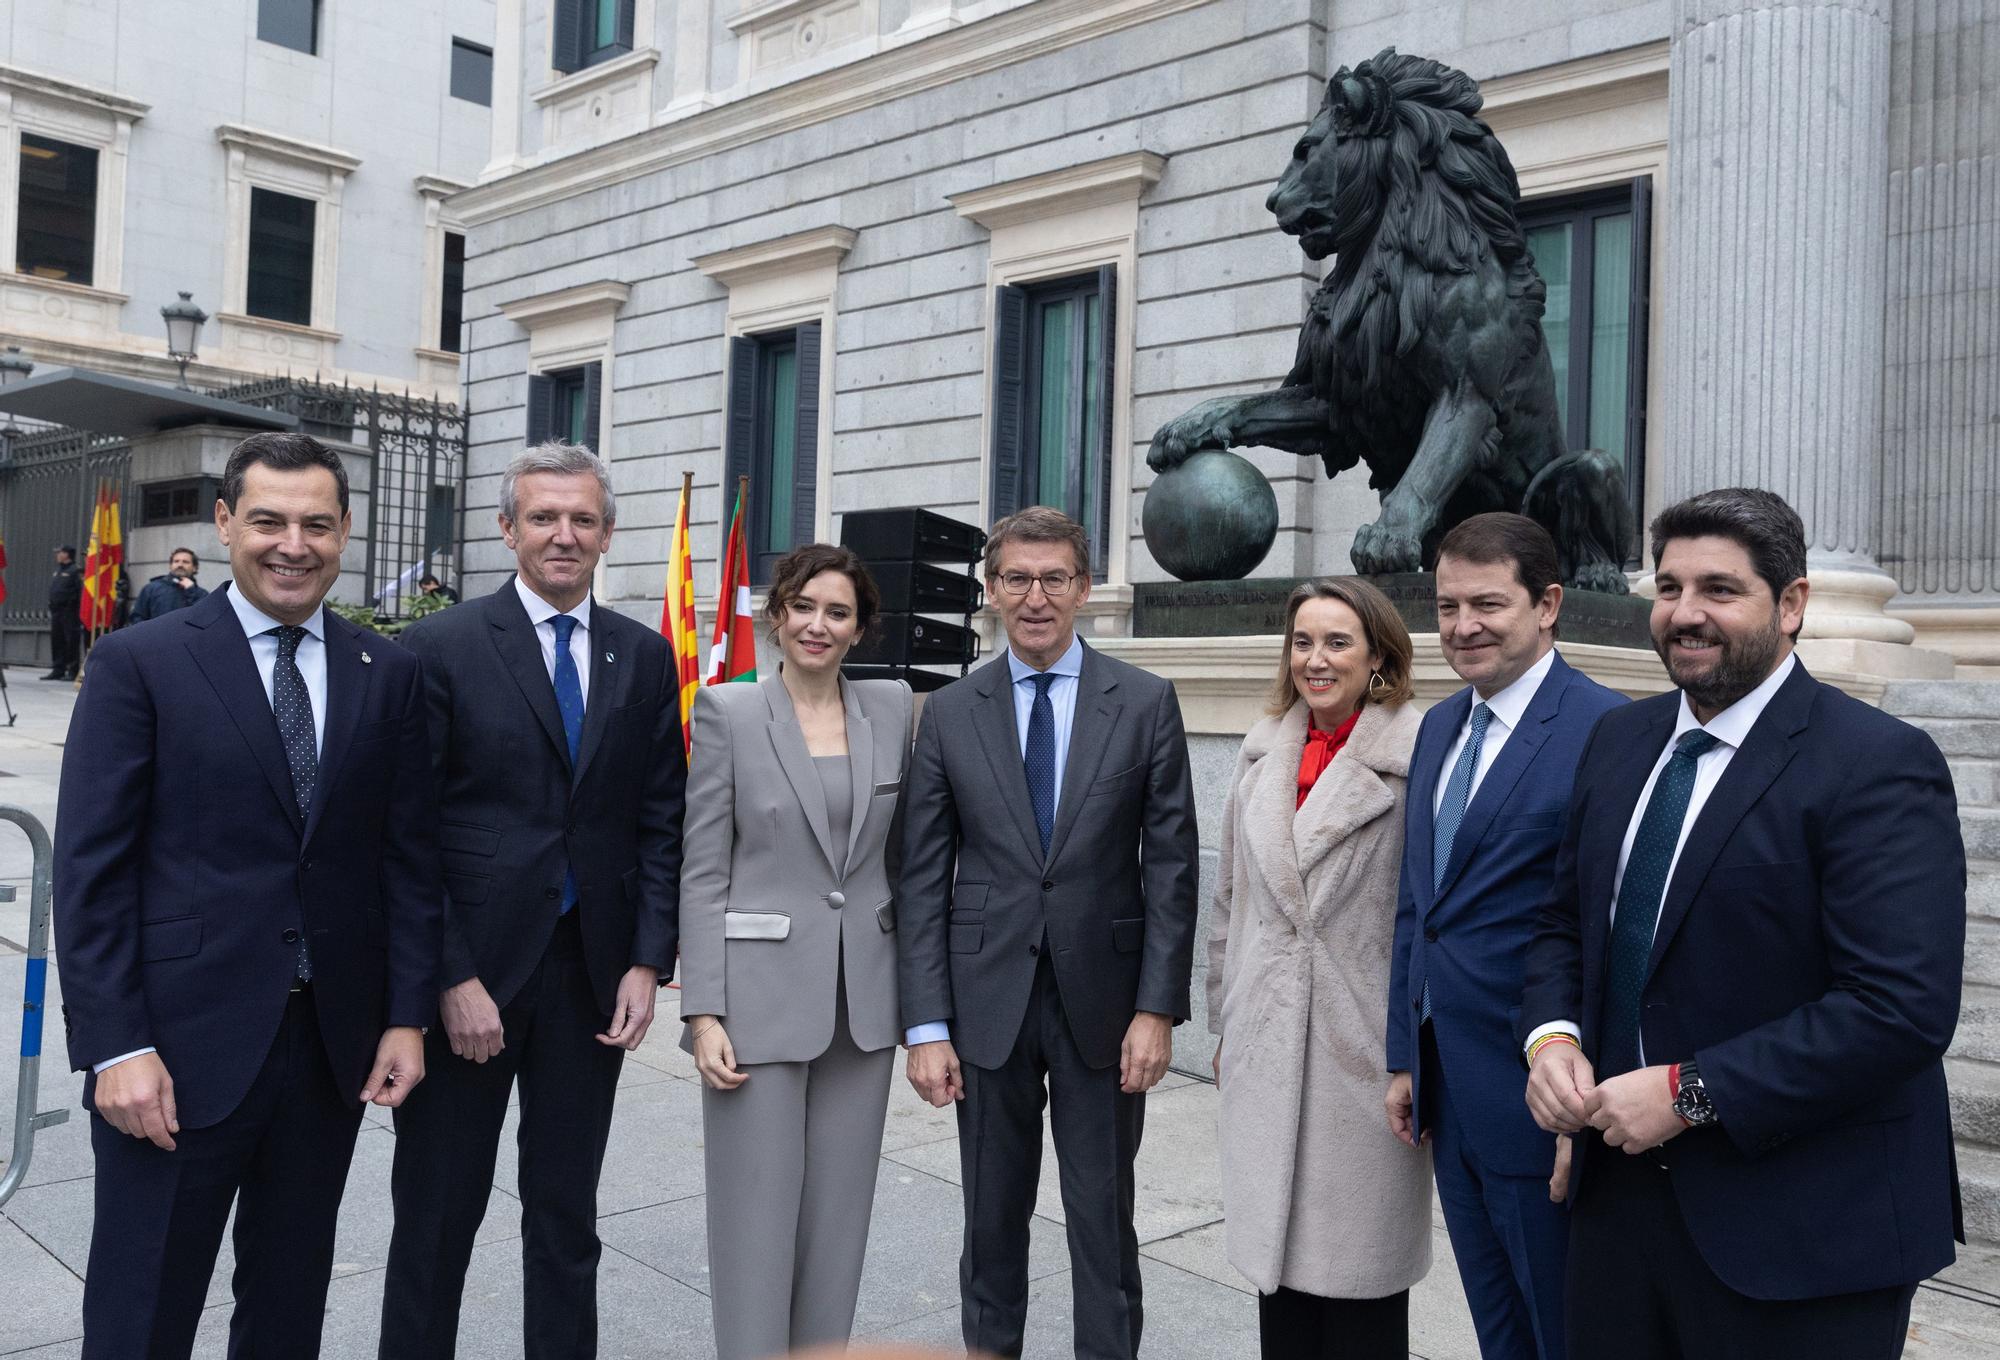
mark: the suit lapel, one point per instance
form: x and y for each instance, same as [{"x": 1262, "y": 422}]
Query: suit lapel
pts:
[
  {"x": 1762, "y": 757},
  {"x": 1425, "y": 772},
  {"x": 223, "y": 653},
  {"x": 993, "y": 719},
  {"x": 1513, "y": 761},
  {"x": 1091, "y": 723},
  {"x": 860, "y": 769},
  {"x": 1605, "y": 830},
  {"x": 1268, "y": 817},
  {"x": 521, "y": 657},
  {"x": 346, "y": 691},
  {"x": 788, "y": 740},
  {"x": 605, "y": 668}
]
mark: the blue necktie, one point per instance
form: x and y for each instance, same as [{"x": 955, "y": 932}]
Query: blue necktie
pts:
[
  {"x": 1451, "y": 811},
  {"x": 569, "y": 703},
  {"x": 1041, "y": 758},
  {"x": 291, "y": 702},
  {"x": 1639, "y": 897}
]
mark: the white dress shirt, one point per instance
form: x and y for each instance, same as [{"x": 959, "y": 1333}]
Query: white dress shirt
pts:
[
  {"x": 258, "y": 628},
  {"x": 1068, "y": 670},
  {"x": 542, "y": 614},
  {"x": 1507, "y": 708},
  {"x": 1730, "y": 728}
]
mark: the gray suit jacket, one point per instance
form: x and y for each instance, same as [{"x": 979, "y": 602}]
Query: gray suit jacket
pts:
[
  {"x": 1114, "y": 897},
  {"x": 768, "y": 918}
]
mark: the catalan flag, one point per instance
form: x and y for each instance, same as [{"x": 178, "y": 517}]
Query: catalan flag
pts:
[
  {"x": 733, "y": 653},
  {"x": 98, "y": 609},
  {"x": 677, "y": 614}
]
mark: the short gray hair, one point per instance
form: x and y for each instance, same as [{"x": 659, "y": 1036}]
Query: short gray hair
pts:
[{"x": 566, "y": 459}]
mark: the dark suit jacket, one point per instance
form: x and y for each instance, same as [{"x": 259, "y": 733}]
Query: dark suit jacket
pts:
[
  {"x": 514, "y": 814},
  {"x": 1115, "y": 895},
  {"x": 182, "y": 866},
  {"x": 1808, "y": 957},
  {"x": 1470, "y": 936}
]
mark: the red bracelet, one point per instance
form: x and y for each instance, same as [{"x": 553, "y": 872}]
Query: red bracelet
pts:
[{"x": 1673, "y": 1081}]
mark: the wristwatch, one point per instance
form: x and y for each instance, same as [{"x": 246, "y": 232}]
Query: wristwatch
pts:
[{"x": 1691, "y": 1100}]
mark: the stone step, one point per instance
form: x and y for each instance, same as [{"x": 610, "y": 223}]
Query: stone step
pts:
[
  {"x": 1978, "y": 1033},
  {"x": 1981, "y": 829},
  {"x": 1978, "y": 737},
  {"x": 1975, "y": 1100},
  {"x": 1942, "y": 698},
  {"x": 1979, "y": 1189},
  {"x": 1976, "y": 781},
  {"x": 1982, "y": 951},
  {"x": 1982, "y": 888}
]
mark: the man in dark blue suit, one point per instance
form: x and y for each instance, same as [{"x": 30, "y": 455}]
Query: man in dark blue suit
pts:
[
  {"x": 247, "y": 918},
  {"x": 1743, "y": 983},
  {"x": 1489, "y": 783}
]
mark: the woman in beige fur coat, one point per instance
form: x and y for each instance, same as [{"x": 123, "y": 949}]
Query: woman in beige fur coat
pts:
[{"x": 1326, "y": 1213}]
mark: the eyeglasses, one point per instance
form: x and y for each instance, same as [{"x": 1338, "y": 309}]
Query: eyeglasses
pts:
[{"x": 1055, "y": 584}]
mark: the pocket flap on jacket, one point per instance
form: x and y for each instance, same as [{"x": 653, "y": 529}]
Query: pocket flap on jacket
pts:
[
  {"x": 174, "y": 939},
  {"x": 893, "y": 786},
  {"x": 1127, "y": 936},
  {"x": 885, "y": 915},
  {"x": 755, "y": 925},
  {"x": 468, "y": 839}
]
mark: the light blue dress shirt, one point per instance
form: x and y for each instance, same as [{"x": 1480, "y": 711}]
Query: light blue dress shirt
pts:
[
  {"x": 543, "y": 615},
  {"x": 1068, "y": 670},
  {"x": 258, "y": 626}
]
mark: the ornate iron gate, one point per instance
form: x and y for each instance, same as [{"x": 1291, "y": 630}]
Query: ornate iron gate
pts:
[{"x": 50, "y": 479}]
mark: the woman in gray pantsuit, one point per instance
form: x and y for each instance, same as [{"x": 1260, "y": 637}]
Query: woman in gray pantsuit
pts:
[{"x": 788, "y": 960}]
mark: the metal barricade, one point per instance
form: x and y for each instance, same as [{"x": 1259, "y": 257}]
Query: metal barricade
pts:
[{"x": 33, "y": 1008}]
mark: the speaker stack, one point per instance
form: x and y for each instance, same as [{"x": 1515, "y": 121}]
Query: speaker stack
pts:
[{"x": 911, "y": 553}]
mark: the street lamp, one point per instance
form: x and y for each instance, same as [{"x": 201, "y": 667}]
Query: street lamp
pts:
[
  {"x": 184, "y": 321},
  {"x": 14, "y": 366}
]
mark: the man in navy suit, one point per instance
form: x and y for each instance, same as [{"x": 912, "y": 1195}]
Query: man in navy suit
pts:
[
  {"x": 1489, "y": 783},
  {"x": 1742, "y": 985},
  {"x": 247, "y": 918}
]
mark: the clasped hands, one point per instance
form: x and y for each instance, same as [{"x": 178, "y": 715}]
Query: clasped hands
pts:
[
  {"x": 1634, "y": 1111},
  {"x": 935, "y": 1073}
]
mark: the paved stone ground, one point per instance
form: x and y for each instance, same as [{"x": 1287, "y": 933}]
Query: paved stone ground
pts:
[{"x": 654, "y": 1277}]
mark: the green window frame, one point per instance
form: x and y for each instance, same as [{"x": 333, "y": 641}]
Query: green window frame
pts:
[
  {"x": 773, "y": 439},
  {"x": 563, "y": 405},
  {"x": 590, "y": 32}
]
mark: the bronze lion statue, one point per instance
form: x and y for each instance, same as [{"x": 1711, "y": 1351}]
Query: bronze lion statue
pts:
[{"x": 1422, "y": 354}]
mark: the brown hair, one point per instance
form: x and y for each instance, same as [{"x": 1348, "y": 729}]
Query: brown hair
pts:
[
  {"x": 1381, "y": 625},
  {"x": 1514, "y": 539},
  {"x": 1037, "y": 524},
  {"x": 790, "y": 574}
]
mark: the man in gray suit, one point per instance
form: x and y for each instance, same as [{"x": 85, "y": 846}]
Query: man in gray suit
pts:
[{"x": 1047, "y": 915}]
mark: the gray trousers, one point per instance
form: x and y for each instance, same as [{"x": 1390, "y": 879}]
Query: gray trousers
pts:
[{"x": 791, "y": 1156}]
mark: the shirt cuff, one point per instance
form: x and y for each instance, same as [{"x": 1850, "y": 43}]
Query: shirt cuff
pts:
[
  {"x": 113, "y": 1062},
  {"x": 1541, "y": 1032},
  {"x": 934, "y": 1031}
]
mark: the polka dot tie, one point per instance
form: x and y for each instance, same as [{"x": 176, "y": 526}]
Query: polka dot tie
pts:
[
  {"x": 1041, "y": 758},
  {"x": 292, "y": 704},
  {"x": 1639, "y": 896},
  {"x": 1451, "y": 811},
  {"x": 569, "y": 703}
]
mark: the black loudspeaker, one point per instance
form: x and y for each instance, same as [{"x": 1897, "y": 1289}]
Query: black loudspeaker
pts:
[
  {"x": 913, "y": 640},
  {"x": 920, "y": 588},
  {"x": 909, "y": 534},
  {"x": 923, "y": 682}
]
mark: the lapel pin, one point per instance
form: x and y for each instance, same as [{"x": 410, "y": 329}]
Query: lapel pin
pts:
[
  {"x": 610, "y": 658},
  {"x": 365, "y": 658}
]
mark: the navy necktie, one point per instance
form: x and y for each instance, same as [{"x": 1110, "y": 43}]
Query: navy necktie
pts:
[
  {"x": 1639, "y": 897},
  {"x": 569, "y": 703},
  {"x": 1451, "y": 811},
  {"x": 1041, "y": 758},
  {"x": 291, "y": 702}
]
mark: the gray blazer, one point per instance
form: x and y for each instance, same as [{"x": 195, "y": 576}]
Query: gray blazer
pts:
[
  {"x": 768, "y": 918},
  {"x": 1115, "y": 896}
]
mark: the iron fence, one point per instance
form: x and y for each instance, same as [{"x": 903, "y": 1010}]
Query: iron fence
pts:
[{"x": 48, "y": 486}]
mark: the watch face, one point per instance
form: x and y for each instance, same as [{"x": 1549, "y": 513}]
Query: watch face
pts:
[{"x": 1693, "y": 1105}]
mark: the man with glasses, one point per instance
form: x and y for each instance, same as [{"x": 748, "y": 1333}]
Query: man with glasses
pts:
[{"x": 1047, "y": 916}]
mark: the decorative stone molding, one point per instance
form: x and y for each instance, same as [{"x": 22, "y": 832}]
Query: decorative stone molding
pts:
[
  {"x": 262, "y": 345},
  {"x": 802, "y": 252},
  {"x": 83, "y": 116},
  {"x": 1969, "y": 632},
  {"x": 776, "y": 35},
  {"x": 267, "y": 160},
  {"x": 438, "y": 219},
  {"x": 1116, "y": 179},
  {"x": 49, "y": 309},
  {"x": 599, "y": 103},
  {"x": 573, "y": 326}
]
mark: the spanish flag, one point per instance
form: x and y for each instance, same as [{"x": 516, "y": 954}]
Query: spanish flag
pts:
[
  {"x": 3, "y": 571},
  {"x": 677, "y": 615},
  {"x": 733, "y": 653},
  {"x": 98, "y": 609}
]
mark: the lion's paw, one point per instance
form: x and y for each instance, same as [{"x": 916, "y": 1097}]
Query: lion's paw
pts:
[
  {"x": 1380, "y": 548},
  {"x": 1604, "y": 577}
]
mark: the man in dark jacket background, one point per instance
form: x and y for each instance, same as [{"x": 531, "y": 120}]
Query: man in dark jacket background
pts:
[
  {"x": 65, "y": 627},
  {"x": 175, "y": 590}
]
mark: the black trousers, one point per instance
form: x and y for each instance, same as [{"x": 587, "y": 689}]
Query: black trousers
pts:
[
  {"x": 1097, "y": 1129},
  {"x": 281, "y": 1158},
  {"x": 1295, "y": 1326},
  {"x": 448, "y": 1138},
  {"x": 65, "y": 640},
  {"x": 1639, "y": 1289}
]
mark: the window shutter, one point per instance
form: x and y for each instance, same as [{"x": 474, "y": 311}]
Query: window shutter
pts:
[
  {"x": 541, "y": 408},
  {"x": 1010, "y": 380},
  {"x": 1636, "y": 359},
  {"x": 740, "y": 430},
  {"x": 593, "y": 402},
  {"x": 625, "y": 24},
  {"x": 566, "y": 48},
  {"x": 1107, "y": 335},
  {"x": 805, "y": 462}
]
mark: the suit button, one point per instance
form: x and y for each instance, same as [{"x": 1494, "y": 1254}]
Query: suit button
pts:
[
  {"x": 1034, "y": 949},
  {"x": 1048, "y": 885},
  {"x": 836, "y": 900},
  {"x": 1430, "y": 937},
  {"x": 570, "y": 830},
  {"x": 552, "y": 893},
  {"x": 306, "y": 866},
  {"x": 290, "y": 937}
]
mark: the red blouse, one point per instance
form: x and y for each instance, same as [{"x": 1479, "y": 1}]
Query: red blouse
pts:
[{"x": 1321, "y": 748}]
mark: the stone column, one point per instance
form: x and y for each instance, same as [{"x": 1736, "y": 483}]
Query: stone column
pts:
[{"x": 1777, "y": 193}]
